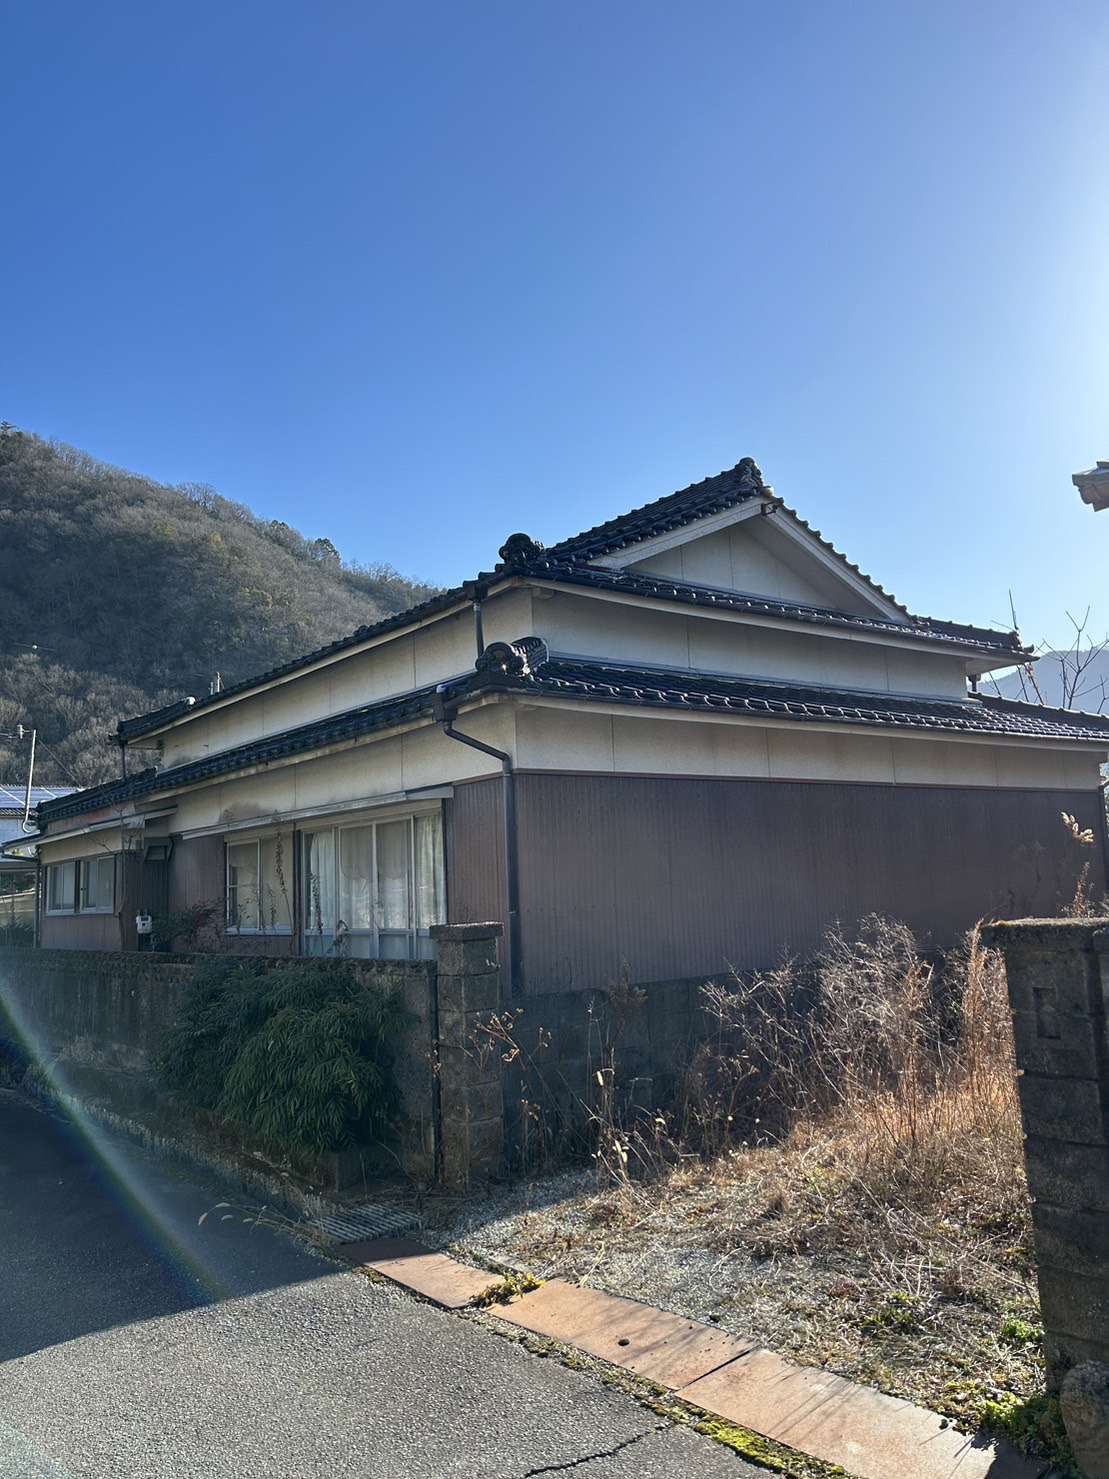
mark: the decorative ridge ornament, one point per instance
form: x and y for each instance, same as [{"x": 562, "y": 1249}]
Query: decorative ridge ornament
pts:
[
  {"x": 517, "y": 659},
  {"x": 501, "y": 659},
  {"x": 519, "y": 550}
]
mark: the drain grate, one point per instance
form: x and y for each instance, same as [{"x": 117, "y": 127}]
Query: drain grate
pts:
[{"x": 358, "y": 1224}]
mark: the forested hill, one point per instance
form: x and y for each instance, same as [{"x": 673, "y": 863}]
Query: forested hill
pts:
[{"x": 118, "y": 594}]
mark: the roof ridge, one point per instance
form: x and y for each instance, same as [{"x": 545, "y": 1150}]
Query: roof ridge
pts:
[{"x": 733, "y": 486}]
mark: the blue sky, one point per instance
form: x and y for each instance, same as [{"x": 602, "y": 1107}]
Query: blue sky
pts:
[{"x": 414, "y": 276}]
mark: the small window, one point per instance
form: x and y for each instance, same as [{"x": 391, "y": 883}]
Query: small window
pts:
[
  {"x": 61, "y": 888},
  {"x": 97, "y": 885}
]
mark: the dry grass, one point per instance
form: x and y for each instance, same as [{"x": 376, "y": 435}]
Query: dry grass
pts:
[{"x": 842, "y": 1178}]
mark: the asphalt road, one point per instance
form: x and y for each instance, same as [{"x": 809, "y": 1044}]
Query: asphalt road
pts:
[{"x": 136, "y": 1341}]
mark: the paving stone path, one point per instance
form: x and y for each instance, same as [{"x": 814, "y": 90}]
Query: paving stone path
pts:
[{"x": 862, "y": 1430}]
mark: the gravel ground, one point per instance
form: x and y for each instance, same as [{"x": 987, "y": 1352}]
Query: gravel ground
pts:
[{"x": 949, "y": 1326}]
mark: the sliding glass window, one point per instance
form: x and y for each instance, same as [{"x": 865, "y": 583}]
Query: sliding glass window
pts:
[{"x": 376, "y": 888}]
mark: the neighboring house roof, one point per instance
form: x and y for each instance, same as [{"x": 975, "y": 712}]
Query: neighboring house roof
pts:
[
  {"x": 11, "y": 830},
  {"x": 1094, "y": 485},
  {"x": 526, "y": 668},
  {"x": 13, "y": 804},
  {"x": 567, "y": 563},
  {"x": 13, "y": 798}
]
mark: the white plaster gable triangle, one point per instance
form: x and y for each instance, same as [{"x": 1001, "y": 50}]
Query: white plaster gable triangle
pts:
[{"x": 759, "y": 548}]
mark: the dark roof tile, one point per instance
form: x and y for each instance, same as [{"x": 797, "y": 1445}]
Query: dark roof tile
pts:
[
  {"x": 562, "y": 677},
  {"x": 567, "y": 562},
  {"x": 713, "y": 495},
  {"x": 599, "y": 682}
]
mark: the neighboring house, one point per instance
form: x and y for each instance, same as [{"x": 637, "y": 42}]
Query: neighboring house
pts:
[
  {"x": 1094, "y": 485},
  {"x": 18, "y": 866},
  {"x": 693, "y": 735}
]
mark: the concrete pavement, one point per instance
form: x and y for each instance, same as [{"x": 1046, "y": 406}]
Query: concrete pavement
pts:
[{"x": 135, "y": 1344}]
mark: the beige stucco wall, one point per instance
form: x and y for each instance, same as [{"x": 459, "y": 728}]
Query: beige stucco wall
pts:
[
  {"x": 375, "y": 769},
  {"x": 574, "y": 624},
  {"x": 439, "y": 651},
  {"x": 639, "y": 743}
]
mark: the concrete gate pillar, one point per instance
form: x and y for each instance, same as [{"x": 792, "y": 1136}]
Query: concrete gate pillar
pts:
[
  {"x": 1058, "y": 975},
  {"x": 470, "y": 1070}
]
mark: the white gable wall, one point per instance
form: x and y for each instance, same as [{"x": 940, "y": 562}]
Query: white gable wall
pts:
[
  {"x": 575, "y": 624},
  {"x": 757, "y": 557}
]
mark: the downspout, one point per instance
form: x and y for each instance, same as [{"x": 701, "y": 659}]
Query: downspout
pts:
[
  {"x": 477, "y": 590},
  {"x": 511, "y": 859}
]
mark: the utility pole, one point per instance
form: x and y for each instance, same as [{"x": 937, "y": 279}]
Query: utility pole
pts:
[{"x": 21, "y": 733}]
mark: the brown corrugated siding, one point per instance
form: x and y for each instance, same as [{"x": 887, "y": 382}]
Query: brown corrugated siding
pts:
[
  {"x": 80, "y": 932},
  {"x": 474, "y": 841},
  {"x": 196, "y": 872},
  {"x": 679, "y": 877}
]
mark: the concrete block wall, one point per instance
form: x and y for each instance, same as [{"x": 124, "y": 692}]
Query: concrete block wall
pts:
[
  {"x": 1058, "y": 977},
  {"x": 487, "y": 1083},
  {"x": 471, "y": 1100},
  {"x": 93, "y": 1022},
  {"x": 648, "y": 1033}
]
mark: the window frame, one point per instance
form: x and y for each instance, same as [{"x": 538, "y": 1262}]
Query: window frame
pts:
[
  {"x": 56, "y": 871},
  {"x": 323, "y": 938},
  {"x": 92, "y": 868},
  {"x": 263, "y": 888},
  {"x": 84, "y": 875}
]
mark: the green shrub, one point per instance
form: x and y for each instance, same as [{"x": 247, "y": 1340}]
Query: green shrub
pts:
[
  {"x": 20, "y": 935},
  {"x": 296, "y": 1053}
]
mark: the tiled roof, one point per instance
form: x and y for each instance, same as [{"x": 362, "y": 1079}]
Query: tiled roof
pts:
[
  {"x": 711, "y": 496},
  {"x": 652, "y": 688},
  {"x": 335, "y": 729},
  {"x": 524, "y": 667},
  {"x": 665, "y": 588},
  {"x": 740, "y": 484},
  {"x": 567, "y": 562},
  {"x": 548, "y": 566},
  {"x": 146, "y": 723}
]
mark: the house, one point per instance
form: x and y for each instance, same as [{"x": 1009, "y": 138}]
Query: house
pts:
[
  {"x": 18, "y": 866},
  {"x": 695, "y": 734}
]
